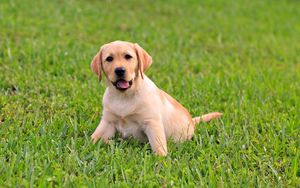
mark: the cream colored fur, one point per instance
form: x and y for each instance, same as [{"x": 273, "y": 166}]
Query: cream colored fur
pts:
[{"x": 143, "y": 111}]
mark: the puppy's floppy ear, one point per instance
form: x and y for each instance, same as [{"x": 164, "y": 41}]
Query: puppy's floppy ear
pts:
[
  {"x": 96, "y": 64},
  {"x": 144, "y": 59}
]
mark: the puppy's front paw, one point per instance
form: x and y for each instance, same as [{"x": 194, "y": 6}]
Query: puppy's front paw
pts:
[
  {"x": 95, "y": 138},
  {"x": 161, "y": 152}
]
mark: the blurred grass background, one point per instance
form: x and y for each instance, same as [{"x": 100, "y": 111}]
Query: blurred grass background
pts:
[{"x": 237, "y": 57}]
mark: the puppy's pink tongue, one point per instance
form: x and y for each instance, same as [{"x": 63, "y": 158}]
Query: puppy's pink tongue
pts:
[{"x": 123, "y": 84}]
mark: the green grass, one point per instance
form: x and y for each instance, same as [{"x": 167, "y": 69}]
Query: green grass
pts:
[{"x": 241, "y": 58}]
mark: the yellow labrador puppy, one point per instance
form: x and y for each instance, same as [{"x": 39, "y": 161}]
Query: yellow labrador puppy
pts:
[{"x": 133, "y": 105}]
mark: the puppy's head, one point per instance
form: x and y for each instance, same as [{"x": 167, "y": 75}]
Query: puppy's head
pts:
[{"x": 122, "y": 63}]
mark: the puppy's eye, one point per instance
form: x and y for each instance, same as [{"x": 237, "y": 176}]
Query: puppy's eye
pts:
[
  {"x": 127, "y": 56},
  {"x": 109, "y": 59}
]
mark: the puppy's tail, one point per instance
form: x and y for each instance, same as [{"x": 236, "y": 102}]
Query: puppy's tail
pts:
[{"x": 207, "y": 117}]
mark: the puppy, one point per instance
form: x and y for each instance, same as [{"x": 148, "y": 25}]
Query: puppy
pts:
[{"x": 133, "y": 105}]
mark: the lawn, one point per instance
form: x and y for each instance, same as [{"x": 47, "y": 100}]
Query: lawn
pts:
[{"x": 241, "y": 58}]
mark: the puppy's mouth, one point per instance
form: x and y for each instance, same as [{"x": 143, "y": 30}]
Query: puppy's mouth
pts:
[{"x": 122, "y": 84}]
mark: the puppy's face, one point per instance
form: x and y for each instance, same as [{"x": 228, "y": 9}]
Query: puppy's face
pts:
[{"x": 122, "y": 63}]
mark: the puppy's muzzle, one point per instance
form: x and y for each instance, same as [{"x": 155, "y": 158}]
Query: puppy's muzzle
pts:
[
  {"x": 120, "y": 71},
  {"x": 122, "y": 84}
]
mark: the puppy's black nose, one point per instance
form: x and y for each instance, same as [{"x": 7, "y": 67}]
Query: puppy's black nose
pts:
[{"x": 120, "y": 71}]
